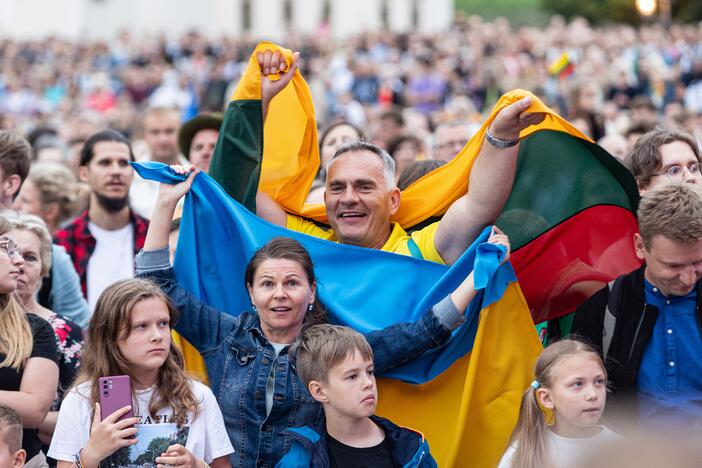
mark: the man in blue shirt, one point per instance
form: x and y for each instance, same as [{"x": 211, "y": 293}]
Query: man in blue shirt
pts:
[{"x": 647, "y": 322}]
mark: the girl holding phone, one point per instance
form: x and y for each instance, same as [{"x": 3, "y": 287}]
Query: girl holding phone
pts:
[{"x": 176, "y": 420}]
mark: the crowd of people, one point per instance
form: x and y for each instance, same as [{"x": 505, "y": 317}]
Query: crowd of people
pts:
[{"x": 87, "y": 291}]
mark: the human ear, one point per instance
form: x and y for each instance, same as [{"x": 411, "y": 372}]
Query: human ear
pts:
[
  {"x": 395, "y": 196},
  {"x": 83, "y": 173},
  {"x": 249, "y": 288},
  {"x": 18, "y": 458},
  {"x": 317, "y": 391},
  {"x": 11, "y": 185},
  {"x": 639, "y": 247},
  {"x": 50, "y": 212},
  {"x": 543, "y": 396}
]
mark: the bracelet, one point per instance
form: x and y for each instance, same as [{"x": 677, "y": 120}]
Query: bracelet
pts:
[
  {"x": 76, "y": 459},
  {"x": 498, "y": 143}
]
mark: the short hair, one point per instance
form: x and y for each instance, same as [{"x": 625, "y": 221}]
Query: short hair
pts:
[
  {"x": 35, "y": 225},
  {"x": 88, "y": 150},
  {"x": 644, "y": 160},
  {"x": 15, "y": 154},
  {"x": 385, "y": 158},
  {"x": 673, "y": 211},
  {"x": 416, "y": 170},
  {"x": 159, "y": 111},
  {"x": 11, "y": 428},
  {"x": 395, "y": 115},
  {"x": 322, "y": 347}
]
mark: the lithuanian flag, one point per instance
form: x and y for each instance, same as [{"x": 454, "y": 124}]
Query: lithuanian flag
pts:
[
  {"x": 463, "y": 396},
  {"x": 570, "y": 216},
  {"x": 562, "y": 67}
]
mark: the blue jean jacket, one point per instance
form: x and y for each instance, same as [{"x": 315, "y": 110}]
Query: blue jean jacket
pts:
[{"x": 239, "y": 360}]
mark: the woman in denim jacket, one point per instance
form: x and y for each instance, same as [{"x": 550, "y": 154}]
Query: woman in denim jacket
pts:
[{"x": 246, "y": 357}]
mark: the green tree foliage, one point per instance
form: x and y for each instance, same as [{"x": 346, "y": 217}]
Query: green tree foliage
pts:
[
  {"x": 595, "y": 11},
  {"x": 156, "y": 447}
]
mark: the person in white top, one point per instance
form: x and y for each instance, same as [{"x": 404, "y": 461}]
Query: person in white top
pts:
[
  {"x": 176, "y": 420},
  {"x": 571, "y": 381}
]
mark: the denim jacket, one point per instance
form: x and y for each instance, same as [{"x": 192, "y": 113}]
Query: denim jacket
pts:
[{"x": 239, "y": 360}]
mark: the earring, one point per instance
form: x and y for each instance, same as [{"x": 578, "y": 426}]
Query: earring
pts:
[
  {"x": 310, "y": 307},
  {"x": 254, "y": 307}
]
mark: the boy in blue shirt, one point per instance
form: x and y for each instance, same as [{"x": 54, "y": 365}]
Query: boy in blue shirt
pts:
[{"x": 336, "y": 365}]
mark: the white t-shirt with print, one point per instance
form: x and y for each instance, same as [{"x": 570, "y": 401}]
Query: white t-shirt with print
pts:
[
  {"x": 205, "y": 436},
  {"x": 112, "y": 260},
  {"x": 565, "y": 451}
]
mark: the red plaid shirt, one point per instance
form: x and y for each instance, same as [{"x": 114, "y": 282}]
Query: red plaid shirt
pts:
[{"x": 80, "y": 243}]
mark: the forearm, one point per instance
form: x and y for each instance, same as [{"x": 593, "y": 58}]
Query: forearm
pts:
[
  {"x": 46, "y": 429},
  {"x": 32, "y": 409},
  {"x": 464, "y": 293},
  {"x": 491, "y": 179},
  {"x": 160, "y": 224}
]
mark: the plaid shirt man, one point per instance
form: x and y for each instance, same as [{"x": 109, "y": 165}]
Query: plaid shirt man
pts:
[{"x": 80, "y": 243}]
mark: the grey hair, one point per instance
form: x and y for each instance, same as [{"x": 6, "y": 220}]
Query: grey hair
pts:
[
  {"x": 35, "y": 225},
  {"x": 386, "y": 159}
]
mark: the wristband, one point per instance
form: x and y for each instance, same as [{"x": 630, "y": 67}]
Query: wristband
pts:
[
  {"x": 497, "y": 143},
  {"x": 76, "y": 459}
]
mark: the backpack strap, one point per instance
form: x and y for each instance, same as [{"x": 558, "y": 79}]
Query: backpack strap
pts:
[{"x": 414, "y": 249}]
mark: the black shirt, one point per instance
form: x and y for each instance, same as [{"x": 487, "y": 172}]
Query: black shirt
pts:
[
  {"x": 43, "y": 346},
  {"x": 344, "y": 456}
]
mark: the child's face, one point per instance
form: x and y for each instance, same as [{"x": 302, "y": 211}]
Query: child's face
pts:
[
  {"x": 149, "y": 341},
  {"x": 578, "y": 394},
  {"x": 350, "y": 389},
  {"x": 10, "y": 459}
]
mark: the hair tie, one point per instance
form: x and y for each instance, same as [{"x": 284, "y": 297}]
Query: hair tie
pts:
[{"x": 535, "y": 384}]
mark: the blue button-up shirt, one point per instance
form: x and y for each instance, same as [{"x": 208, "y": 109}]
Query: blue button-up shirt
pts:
[{"x": 670, "y": 376}]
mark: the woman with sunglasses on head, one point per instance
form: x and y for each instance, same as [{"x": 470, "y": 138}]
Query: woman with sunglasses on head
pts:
[{"x": 28, "y": 356}]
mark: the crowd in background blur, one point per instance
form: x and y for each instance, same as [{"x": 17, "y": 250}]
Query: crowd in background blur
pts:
[{"x": 623, "y": 81}]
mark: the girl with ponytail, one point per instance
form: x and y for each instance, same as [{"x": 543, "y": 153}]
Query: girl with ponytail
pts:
[{"x": 571, "y": 382}]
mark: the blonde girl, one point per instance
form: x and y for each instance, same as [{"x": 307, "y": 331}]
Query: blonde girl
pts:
[
  {"x": 571, "y": 381},
  {"x": 130, "y": 334}
]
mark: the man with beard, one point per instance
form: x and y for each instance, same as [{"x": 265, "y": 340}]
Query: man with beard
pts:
[{"x": 104, "y": 239}]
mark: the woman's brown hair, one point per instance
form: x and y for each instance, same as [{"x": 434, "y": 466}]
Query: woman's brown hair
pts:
[
  {"x": 16, "y": 339},
  {"x": 289, "y": 249},
  {"x": 531, "y": 430},
  {"x": 101, "y": 356}
]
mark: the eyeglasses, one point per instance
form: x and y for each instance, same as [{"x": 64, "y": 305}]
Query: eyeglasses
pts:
[
  {"x": 677, "y": 172},
  {"x": 10, "y": 248}
]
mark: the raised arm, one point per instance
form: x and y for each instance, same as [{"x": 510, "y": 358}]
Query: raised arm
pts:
[
  {"x": 400, "y": 343},
  {"x": 491, "y": 182},
  {"x": 202, "y": 325}
]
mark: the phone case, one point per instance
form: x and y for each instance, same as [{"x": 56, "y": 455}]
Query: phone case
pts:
[{"x": 115, "y": 393}]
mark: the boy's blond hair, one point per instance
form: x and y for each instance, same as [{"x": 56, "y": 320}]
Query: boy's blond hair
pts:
[
  {"x": 673, "y": 211},
  {"x": 322, "y": 347}
]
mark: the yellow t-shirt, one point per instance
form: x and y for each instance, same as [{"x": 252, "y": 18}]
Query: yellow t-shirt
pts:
[{"x": 396, "y": 243}]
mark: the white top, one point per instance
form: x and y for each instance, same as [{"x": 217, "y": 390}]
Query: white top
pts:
[
  {"x": 565, "y": 451},
  {"x": 206, "y": 436},
  {"x": 143, "y": 192},
  {"x": 112, "y": 260}
]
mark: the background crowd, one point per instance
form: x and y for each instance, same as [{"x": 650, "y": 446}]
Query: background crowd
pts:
[
  {"x": 87, "y": 109},
  {"x": 77, "y": 88}
]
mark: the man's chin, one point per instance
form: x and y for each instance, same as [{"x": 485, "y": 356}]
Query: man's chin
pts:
[{"x": 112, "y": 204}]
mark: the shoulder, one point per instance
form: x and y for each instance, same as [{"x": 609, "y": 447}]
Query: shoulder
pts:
[
  {"x": 506, "y": 460},
  {"x": 79, "y": 396},
  {"x": 305, "y": 226}
]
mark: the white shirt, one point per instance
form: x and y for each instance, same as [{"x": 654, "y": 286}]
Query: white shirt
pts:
[
  {"x": 565, "y": 451},
  {"x": 112, "y": 260},
  {"x": 205, "y": 436}
]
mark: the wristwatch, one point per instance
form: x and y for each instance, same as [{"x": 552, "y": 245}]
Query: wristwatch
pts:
[{"x": 498, "y": 143}]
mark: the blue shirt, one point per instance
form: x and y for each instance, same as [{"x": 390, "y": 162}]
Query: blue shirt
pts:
[{"x": 670, "y": 376}]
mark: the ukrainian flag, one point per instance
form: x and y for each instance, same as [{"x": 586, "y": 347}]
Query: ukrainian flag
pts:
[{"x": 464, "y": 396}]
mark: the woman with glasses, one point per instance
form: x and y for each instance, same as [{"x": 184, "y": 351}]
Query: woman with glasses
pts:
[
  {"x": 34, "y": 241},
  {"x": 28, "y": 356},
  {"x": 664, "y": 156}
]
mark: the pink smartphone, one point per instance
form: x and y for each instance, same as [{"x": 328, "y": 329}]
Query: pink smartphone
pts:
[{"x": 115, "y": 393}]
